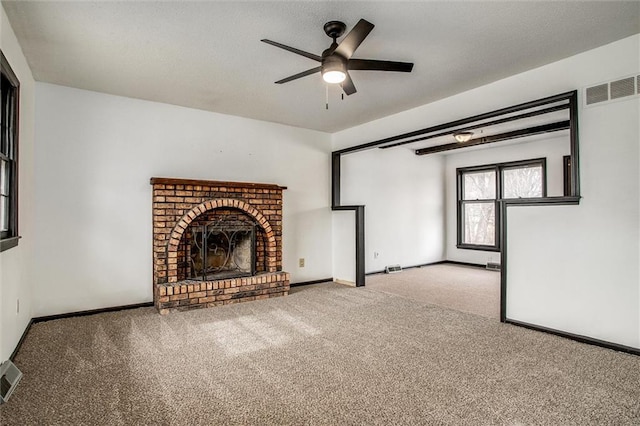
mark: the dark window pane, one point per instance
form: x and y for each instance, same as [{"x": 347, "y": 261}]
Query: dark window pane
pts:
[
  {"x": 522, "y": 182},
  {"x": 479, "y": 223},
  {"x": 479, "y": 185}
]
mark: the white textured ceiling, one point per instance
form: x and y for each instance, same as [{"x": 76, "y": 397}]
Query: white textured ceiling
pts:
[{"x": 208, "y": 55}]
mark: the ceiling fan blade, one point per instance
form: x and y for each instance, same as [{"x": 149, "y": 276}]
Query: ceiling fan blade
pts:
[
  {"x": 293, "y": 49},
  {"x": 348, "y": 86},
  {"x": 299, "y": 75},
  {"x": 373, "y": 65},
  {"x": 350, "y": 43}
]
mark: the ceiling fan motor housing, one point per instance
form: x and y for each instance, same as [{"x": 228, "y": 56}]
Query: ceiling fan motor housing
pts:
[{"x": 333, "y": 62}]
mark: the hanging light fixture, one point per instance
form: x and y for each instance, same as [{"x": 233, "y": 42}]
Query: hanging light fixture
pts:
[{"x": 462, "y": 136}]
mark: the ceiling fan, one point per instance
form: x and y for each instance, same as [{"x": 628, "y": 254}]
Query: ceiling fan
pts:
[{"x": 337, "y": 61}]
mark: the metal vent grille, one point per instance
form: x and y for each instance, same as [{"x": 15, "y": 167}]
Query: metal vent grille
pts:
[
  {"x": 599, "y": 93},
  {"x": 392, "y": 269},
  {"x": 9, "y": 378},
  {"x": 638, "y": 85},
  {"x": 622, "y": 88}
]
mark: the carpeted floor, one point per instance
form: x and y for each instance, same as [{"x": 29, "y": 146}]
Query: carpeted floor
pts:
[
  {"x": 463, "y": 288},
  {"x": 326, "y": 355}
]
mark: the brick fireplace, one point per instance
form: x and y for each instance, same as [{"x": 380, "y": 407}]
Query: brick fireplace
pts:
[{"x": 216, "y": 243}]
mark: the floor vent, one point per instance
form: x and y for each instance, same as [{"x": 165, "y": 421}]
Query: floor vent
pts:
[
  {"x": 392, "y": 269},
  {"x": 613, "y": 90},
  {"x": 9, "y": 378},
  {"x": 493, "y": 266}
]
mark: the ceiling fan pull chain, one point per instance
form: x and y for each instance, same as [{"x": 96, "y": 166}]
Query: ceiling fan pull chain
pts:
[{"x": 326, "y": 96}]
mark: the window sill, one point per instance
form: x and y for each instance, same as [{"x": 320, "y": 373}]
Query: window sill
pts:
[
  {"x": 8, "y": 243},
  {"x": 564, "y": 200},
  {"x": 476, "y": 247}
]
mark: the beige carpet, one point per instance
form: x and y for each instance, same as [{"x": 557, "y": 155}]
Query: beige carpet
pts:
[
  {"x": 325, "y": 355},
  {"x": 463, "y": 288}
]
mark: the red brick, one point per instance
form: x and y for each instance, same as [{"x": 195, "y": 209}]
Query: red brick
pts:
[{"x": 178, "y": 297}]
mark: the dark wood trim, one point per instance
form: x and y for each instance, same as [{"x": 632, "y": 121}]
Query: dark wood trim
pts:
[
  {"x": 478, "y": 247},
  {"x": 473, "y": 265},
  {"x": 335, "y": 180},
  {"x": 92, "y": 312},
  {"x": 577, "y": 337},
  {"x": 452, "y": 124},
  {"x": 12, "y": 357},
  {"x": 503, "y": 261},
  {"x": 439, "y": 262},
  {"x": 480, "y": 125},
  {"x": 515, "y": 134},
  {"x": 8, "y": 243},
  {"x": 566, "y": 175},
  {"x": 177, "y": 181},
  {"x": 303, "y": 283},
  {"x": 360, "y": 260},
  {"x": 504, "y": 165},
  {"x": 573, "y": 139},
  {"x": 546, "y": 201}
]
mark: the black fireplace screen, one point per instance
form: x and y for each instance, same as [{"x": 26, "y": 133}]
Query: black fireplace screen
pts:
[{"x": 221, "y": 249}]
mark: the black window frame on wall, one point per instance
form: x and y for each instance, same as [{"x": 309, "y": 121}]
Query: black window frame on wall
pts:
[
  {"x": 498, "y": 169},
  {"x": 9, "y": 151}
]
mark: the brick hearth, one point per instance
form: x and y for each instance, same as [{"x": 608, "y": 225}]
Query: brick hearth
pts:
[{"x": 177, "y": 203}]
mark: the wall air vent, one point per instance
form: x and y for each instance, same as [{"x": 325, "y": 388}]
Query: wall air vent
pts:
[
  {"x": 599, "y": 93},
  {"x": 621, "y": 88},
  {"x": 392, "y": 269}
]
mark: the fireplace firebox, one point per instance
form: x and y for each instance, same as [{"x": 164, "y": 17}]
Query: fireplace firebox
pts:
[{"x": 219, "y": 250}]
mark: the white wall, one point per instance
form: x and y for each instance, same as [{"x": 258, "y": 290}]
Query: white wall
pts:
[
  {"x": 404, "y": 213},
  {"x": 94, "y": 156},
  {"x": 15, "y": 263},
  {"x": 553, "y": 148},
  {"x": 572, "y": 278}
]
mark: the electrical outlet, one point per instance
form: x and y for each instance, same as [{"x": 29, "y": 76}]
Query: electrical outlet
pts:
[{"x": 301, "y": 262}]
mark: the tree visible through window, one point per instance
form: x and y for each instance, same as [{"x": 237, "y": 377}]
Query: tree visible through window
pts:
[
  {"x": 8, "y": 156},
  {"x": 481, "y": 188}
]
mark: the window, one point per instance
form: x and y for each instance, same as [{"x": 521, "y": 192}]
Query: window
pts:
[
  {"x": 8, "y": 156},
  {"x": 481, "y": 188}
]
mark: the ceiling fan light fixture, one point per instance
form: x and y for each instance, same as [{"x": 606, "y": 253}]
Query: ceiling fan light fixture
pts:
[
  {"x": 335, "y": 76},
  {"x": 462, "y": 136},
  {"x": 333, "y": 69}
]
